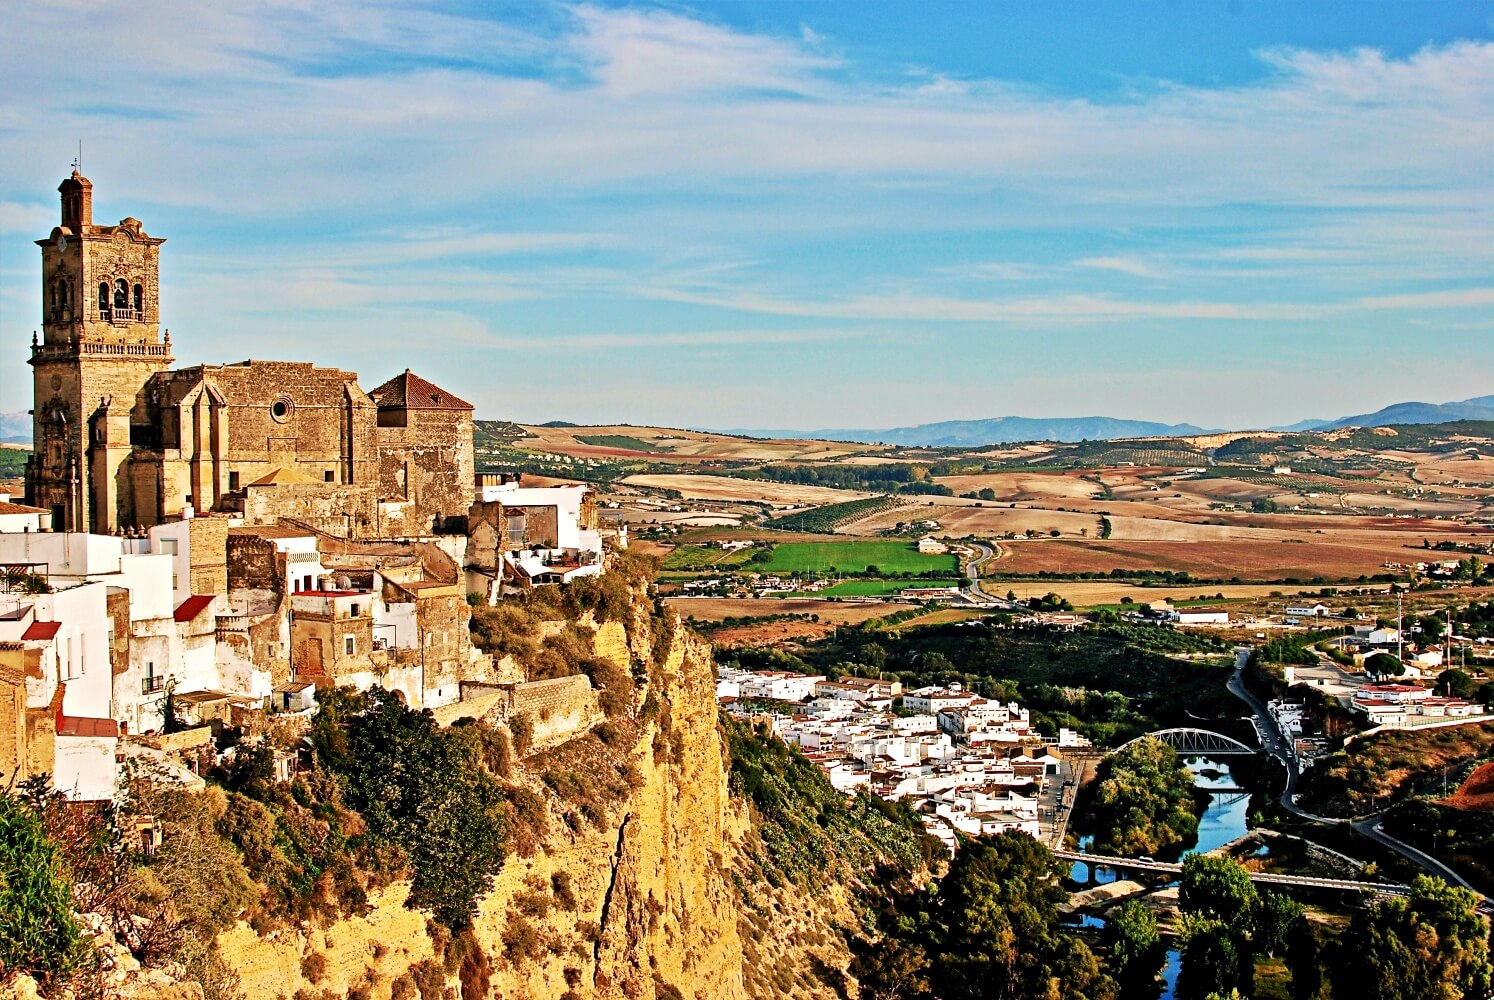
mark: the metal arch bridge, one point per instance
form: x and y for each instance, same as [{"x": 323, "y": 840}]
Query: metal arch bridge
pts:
[{"x": 1200, "y": 742}]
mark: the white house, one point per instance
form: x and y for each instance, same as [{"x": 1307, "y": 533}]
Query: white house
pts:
[
  {"x": 1201, "y": 616},
  {"x": 933, "y": 700},
  {"x": 19, "y": 518}
]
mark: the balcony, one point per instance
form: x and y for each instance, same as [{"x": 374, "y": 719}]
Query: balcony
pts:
[
  {"x": 151, "y": 685},
  {"x": 123, "y": 316}
]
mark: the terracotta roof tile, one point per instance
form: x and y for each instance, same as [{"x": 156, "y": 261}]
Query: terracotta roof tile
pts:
[
  {"x": 71, "y": 726},
  {"x": 41, "y": 631},
  {"x": 193, "y": 606},
  {"x": 408, "y": 391}
]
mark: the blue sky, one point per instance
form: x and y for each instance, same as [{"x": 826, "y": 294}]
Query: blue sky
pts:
[{"x": 788, "y": 214}]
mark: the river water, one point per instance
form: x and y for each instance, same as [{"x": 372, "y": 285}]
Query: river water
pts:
[{"x": 1226, "y": 817}]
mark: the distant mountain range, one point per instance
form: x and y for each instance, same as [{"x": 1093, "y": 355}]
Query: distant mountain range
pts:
[
  {"x": 1478, "y": 408},
  {"x": 16, "y": 427},
  {"x": 996, "y": 430},
  {"x": 1010, "y": 430}
]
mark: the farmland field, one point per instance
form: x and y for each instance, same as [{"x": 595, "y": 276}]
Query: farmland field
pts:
[
  {"x": 857, "y": 557},
  {"x": 880, "y": 588},
  {"x": 687, "y": 557},
  {"x": 1091, "y": 593},
  {"x": 726, "y": 488},
  {"x": 1265, "y": 559}
]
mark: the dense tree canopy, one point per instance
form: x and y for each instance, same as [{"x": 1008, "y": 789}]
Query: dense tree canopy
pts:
[
  {"x": 1143, "y": 802},
  {"x": 1431, "y": 946},
  {"x": 998, "y": 928},
  {"x": 422, "y": 789}
]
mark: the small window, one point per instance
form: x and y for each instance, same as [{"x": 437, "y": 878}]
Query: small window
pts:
[
  {"x": 64, "y": 290},
  {"x": 103, "y": 296},
  {"x": 353, "y": 610},
  {"x": 121, "y": 294},
  {"x": 139, "y": 299},
  {"x": 233, "y": 481},
  {"x": 347, "y": 645},
  {"x": 329, "y": 476},
  {"x": 56, "y": 294},
  {"x": 281, "y": 409}
]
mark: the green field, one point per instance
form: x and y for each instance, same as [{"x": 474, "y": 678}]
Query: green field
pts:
[
  {"x": 878, "y": 588},
  {"x": 858, "y": 557},
  {"x": 688, "y": 557}
]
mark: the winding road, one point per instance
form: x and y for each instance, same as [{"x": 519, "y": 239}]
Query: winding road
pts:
[{"x": 1280, "y": 747}]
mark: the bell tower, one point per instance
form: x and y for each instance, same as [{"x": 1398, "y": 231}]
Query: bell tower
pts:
[{"x": 101, "y": 344}]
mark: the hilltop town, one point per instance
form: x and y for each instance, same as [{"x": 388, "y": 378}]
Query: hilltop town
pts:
[{"x": 201, "y": 550}]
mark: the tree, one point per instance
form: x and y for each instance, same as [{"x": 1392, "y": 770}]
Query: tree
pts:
[
  {"x": 1384, "y": 665},
  {"x": 1304, "y": 952},
  {"x": 1215, "y": 887},
  {"x": 38, "y": 934},
  {"x": 422, "y": 789},
  {"x": 997, "y": 920},
  {"x": 1143, "y": 801},
  {"x": 1272, "y": 919},
  {"x": 1432, "y": 944},
  {"x": 1215, "y": 960},
  {"x": 1136, "y": 949},
  {"x": 1455, "y": 683},
  {"x": 1431, "y": 627}
]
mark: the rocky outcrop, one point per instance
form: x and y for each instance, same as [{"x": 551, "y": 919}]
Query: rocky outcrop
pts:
[{"x": 642, "y": 907}]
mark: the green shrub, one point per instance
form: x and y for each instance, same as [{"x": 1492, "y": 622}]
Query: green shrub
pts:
[{"x": 38, "y": 934}]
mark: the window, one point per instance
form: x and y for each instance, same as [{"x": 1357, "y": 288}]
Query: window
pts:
[
  {"x": 233, "y": 481},
  {"x": 103, "y": 297},
  {"x": 348, "y": 645},
  {"x": 64, "y": 291},
  {"x": 353, "y": 610},
  {"x": 328, "y": 476},
  {"x": 56, "y": 294},
  {"x": 121, "y": 294},
  {"x": 139, "y": 299},
  {"x": 168, "y": 546}
]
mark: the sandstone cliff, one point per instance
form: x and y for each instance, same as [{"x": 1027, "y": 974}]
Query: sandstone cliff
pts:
[{"x": 644, "y": 907}]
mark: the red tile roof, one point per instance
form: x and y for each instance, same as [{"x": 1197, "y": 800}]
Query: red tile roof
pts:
[
  {"x": 19, "y": 508},
  {"x": 193, "y": 606},
  {"x": 69, "y": 725},
  {"x": 409, "y": 391},
  {"x": 41, "y": 631}
]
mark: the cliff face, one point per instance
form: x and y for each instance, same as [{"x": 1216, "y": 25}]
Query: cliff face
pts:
[{"x": 641, "y": 905}]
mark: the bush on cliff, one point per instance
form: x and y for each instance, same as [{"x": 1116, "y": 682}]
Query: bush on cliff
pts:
[
  {"x": 421, "y": 788},
  {"x": 38, "y": 934}
]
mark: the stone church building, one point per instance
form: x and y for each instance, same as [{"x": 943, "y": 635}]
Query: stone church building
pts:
[{"x": 123, "y": 440}]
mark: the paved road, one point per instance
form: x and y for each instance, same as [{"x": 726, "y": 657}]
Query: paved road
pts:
[
  {"x": 1265, "y": 878},
  {"x": 1281, "y": 748},
  {"x": 984, "y": 552}
]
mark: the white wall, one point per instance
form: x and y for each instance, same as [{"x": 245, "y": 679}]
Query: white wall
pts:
[
  {"x": 82, "y": 645},
  {"x": 84, "y": 769},
  {"x": 179, "y": 532}
]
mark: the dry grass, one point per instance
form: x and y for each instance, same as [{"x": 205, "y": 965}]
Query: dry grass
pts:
[
  {"x": 1246, "y": 559},
  {"x": 1028, "y": 485},
  {"x": 984, "y": 521},
  {"x": 701, "y": 487},
  {"x": 672, "y": 445},
  {"x": 1477, "y": 793},
  {"x": 715, "y": 609},
  {"x": 1088, "y": 593}
]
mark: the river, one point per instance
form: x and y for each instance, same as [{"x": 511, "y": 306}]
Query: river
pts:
[{"x": 1225, "y": 818}]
